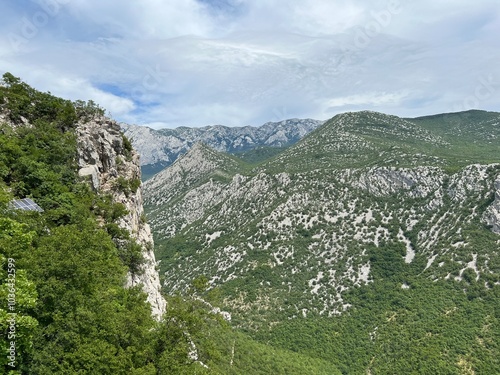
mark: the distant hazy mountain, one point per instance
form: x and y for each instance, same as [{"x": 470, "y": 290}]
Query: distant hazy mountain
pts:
[
  {"x": 372, "y": 243},
  {"x": 160, "y": 148}
]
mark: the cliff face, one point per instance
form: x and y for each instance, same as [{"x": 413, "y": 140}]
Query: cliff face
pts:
[
  {"x": 106, "y": 159},
  {"x": 492, "y": 214}
]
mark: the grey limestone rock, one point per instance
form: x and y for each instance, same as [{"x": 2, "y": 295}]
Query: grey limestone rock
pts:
[
  {"x": 492, "y": 214},
  {"x": 92, "y": 172},
  {"x": 102, "y": 156}
]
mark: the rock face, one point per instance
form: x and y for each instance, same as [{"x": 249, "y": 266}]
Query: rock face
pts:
[
  {"x": 492, "y": 214},
  {"x": 187, "y": 170},
  {"x": 104, "y": 157}
]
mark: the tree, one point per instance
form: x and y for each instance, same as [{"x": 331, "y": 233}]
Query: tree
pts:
[{"x": 18, "y": 295}]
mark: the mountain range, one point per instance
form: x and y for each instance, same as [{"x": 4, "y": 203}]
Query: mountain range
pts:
[
  {"x": 79, "y": 281},
  {"x": 160, "y": 148},
  {"x": 372, "y": 243},
  {"x": 368, "y": 246}
]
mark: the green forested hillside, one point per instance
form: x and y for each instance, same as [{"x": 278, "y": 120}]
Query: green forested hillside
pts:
[
  {"x": 361, "y": 139},
  {"x": 72, "y": 312},
  {"x": 370, "y": 244},
  {"x": 369, "y": 247}
]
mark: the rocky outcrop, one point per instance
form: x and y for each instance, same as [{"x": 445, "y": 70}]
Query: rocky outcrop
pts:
[
  {"x": 187, "y": 170},
  {"x": 381, "y": 181},
  {"x": 105, "y": 158},
  {"x": 492, "y": 214}
]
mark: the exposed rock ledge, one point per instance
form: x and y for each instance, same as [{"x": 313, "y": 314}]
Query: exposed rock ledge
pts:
[
  {"x": 492, "y": 214},
  {"x": 103, "y": 158}
]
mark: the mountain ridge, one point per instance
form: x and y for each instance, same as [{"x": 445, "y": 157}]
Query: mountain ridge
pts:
[
  {"x": 160, "y": 148},
  {"x": 365, "y": 202}
]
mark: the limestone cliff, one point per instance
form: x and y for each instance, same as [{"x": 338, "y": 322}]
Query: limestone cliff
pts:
[
  {"x": 492, "y": 214},
  {"x": 107, "y": 159}
]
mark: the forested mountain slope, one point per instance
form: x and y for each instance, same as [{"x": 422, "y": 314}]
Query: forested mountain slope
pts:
[
  {"x": 78, "y": 283},
  {"x": 374, "y": 235}
]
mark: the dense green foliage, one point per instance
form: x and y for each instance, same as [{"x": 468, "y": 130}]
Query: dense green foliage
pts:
[
  {"x": 24, "y": 104},
  {"x": 427, "y": 329},
  {"x": 260, "y": 154},
  {"x": 72, "y": 312},
  {"x": 473, "y": 134},
  {"x": 222, "y": 349},
  {"x": 364, "y": 245}
]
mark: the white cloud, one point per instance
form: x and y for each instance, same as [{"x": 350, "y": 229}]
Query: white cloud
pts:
[
  {"x": 114, "y": 104},
  {"x": 370, "y": 99},
  {"x": 186, "y": 63},
  {"x": 144, "y": 19}
]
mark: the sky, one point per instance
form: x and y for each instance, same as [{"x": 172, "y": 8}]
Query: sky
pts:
[{"x": 170, "y": 63}]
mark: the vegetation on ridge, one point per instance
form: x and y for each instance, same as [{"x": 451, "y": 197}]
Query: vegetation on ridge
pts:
[
  {"x": 363, "y": 245},
  {"x": 73, "y": 314},
  {"x": 368, "y": 256}
]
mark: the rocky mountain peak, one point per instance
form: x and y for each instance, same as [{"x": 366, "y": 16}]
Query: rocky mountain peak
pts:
[{"x": 160, "y": 148}]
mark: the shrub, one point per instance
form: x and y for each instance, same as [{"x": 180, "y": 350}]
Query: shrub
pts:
[
  {"x": 127, "y": 147},
  {"x": 131, "y": 255},
  {"x": 134, "y": 184}
]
